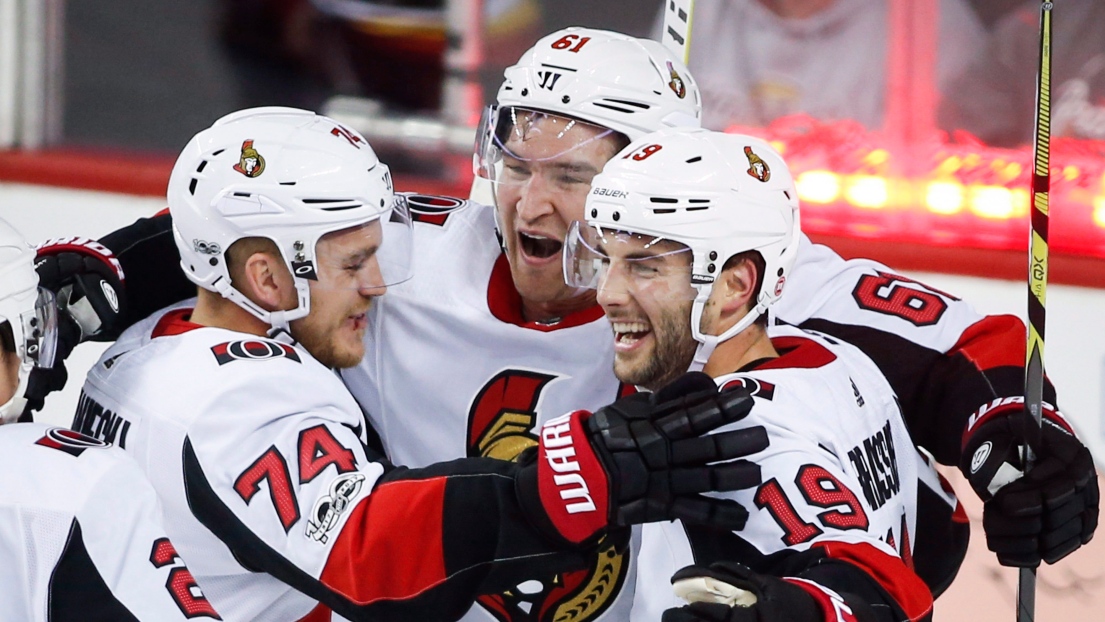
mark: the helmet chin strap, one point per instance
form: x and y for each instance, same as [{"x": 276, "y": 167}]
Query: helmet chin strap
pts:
[
  {"x": 707, "y": 343},
  {"x": 278, "y": 320}
]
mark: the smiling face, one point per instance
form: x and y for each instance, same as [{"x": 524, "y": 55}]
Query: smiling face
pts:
[
  {"x": 348, "y": 279},
  {"x": 548, "y": 164},
  {"x": 646, "y": 292}
]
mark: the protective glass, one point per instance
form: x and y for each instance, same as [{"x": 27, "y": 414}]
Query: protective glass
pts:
[
  {"x": 623, "y": 262},
  {"x": 375, "y": 254},
  {"x": 40, "y": 330},
  {"x": 515, "y": 145}
]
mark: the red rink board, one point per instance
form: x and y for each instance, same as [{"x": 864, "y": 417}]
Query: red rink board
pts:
[{"x": 127, "y": 173}]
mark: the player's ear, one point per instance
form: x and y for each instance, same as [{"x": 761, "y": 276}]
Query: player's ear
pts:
[
  {"x": 737, "y": 284},
  {"x": 267, "y": 281}
]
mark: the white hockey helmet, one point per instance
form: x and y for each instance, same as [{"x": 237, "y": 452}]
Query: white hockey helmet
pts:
[
  {"x": 30, "y": 312},
  {"x": 288, "y": 175},
  {"x": 715, "y": 194},
  {"x": 616, "y": 82}
]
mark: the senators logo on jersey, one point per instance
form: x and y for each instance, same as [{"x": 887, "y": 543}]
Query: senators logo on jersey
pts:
[
  {"x": 252, "y": 350},
  {"x": 433, "y": 210},
  {"x": 501, "y": 424},
  {"x": 756, "y": 387},
  {"x": 72, "y": 443}
]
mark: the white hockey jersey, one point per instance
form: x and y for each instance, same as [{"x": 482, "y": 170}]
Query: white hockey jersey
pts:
[
  {"x": 452, "y": 370},
  {"x": 841, "y": 473},
  {"x": 81, "y": 535},
  {"x": 257, "y": 452},
  {"x": 944, "y": 359}
]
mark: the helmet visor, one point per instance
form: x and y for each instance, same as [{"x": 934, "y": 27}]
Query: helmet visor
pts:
[
  {"x": 515, "y": 146},
  {"x": 368, "y": 256},
  {"x": 623, "y": 262},
  {"x": 40, "y": 330}
]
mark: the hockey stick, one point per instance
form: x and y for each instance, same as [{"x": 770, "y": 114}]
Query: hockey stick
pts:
[
  {"x": 676, "y": 35},
  {"x": 1037, "y": 286}
]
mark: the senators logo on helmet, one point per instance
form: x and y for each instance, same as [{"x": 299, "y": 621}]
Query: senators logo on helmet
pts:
[
  {"x": 676, "y": 83},
  {"x": 756, "y": 166},
  {"x": 251, "y": 163}
]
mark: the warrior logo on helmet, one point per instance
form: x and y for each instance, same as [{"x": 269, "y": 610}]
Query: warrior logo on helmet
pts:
[
  {"x": 676, "y": 82},
  {"x": 756, "y": 166},
  {"x": 250, "y": 164}
]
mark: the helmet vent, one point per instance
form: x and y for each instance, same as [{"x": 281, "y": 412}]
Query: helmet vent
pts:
[
  {"x": 786, "y": 194},
  {"x": 626, "y": 102},
  {"x": 620, "y": 109},
  {"x": 192, "y": 186},
  {"x": 694, "y": 159},
  {"x": 217, "y": 152},
  {"x": 287, "y": 183},
  {"x": 333, "y": 204},
  {"x": 691, "y": 205},
  {"x": 243, "y": 194},
  {"x": 203, "y": 165}
]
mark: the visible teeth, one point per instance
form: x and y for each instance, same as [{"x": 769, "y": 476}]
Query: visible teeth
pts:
[
  {"x": 629, "y": 327},
  {"x": 537, "y": 237}
]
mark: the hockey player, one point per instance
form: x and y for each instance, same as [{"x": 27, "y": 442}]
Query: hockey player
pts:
[
  {"x": 514, "y": 302},
  {"x": 690, "y": 236},
  {"x": 80, "y": 527},
  {"x": 507, "y": 344},
  {"x": 258, "y": 451}
]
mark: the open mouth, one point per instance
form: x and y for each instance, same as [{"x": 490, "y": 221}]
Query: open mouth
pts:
[
  {"x": 629, "y": 333},
  {"x": 539, "y": 246},
  {"x": 359, "y": 321}
]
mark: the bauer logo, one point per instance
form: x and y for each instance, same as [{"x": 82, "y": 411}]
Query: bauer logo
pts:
[
  {"x": 608, "y": 192},
  {"x": 253, "y": 350}
]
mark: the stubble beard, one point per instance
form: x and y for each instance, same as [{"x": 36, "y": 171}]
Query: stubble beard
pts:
[
  {"x": 672, "y": 353},
  {"x": 324, "y": 346}
]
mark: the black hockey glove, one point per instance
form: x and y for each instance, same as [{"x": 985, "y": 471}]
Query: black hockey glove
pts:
[
  {"x": 643, "y": 459},
  {"x": 88, "y": 283},
  {"x": 1045, "y": 515},
  {"x": 731, "y": 592}
]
